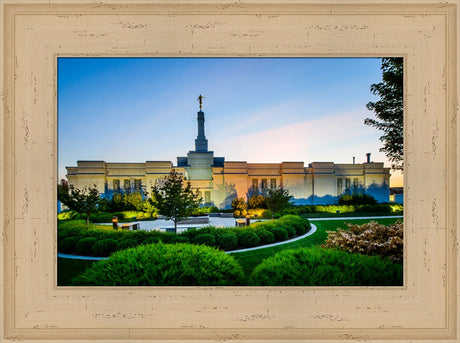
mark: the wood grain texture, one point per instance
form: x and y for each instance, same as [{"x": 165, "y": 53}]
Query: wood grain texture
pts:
[{"x": 35, "y": 34}]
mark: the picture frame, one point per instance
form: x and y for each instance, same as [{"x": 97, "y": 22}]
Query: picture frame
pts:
[{"x": 35, "y": 34}]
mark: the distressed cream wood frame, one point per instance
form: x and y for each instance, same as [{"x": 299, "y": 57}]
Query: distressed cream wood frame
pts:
[{"x": 35, "y": 34}]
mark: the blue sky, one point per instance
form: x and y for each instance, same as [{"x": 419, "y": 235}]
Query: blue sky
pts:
[{"x": 256, "y": 109}]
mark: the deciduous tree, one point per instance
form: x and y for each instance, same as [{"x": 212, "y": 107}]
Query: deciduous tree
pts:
[
  {"x": 175, "y": 199},
  {"x": 389, "y": 110},
  {"x": 85, "y": 201}
]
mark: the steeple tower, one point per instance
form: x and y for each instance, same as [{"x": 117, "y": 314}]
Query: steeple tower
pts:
[{"x": 201, "y": 143}]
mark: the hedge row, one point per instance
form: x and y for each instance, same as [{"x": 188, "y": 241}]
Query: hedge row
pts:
[
  {"x": 189, "y": 265},
  {"x": 379, "y": 208},
  {"x": 104, "y": 217},
  {"x": 75, "y": 238}
]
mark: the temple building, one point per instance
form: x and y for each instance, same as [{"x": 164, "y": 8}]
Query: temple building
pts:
[{"x": 220, "y": 181}]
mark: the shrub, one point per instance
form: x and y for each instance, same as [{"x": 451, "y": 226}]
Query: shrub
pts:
[
  {"x": 325, "y": 267},
  {"x": 279, "y": 233},
  {"x": 67, "y": 245},
  {"x": 105, "y": 247},
  {"x": 301, "y": 225},
  {"x": 239, "y": 204},
  {"x": 369, "y": 239},
  {"x": 182, "y": 239},
  {"x": 126, "y": 244},
  {"x": 357, "y": 199},
  {"x": 206, "y": 239},
  {"x": 84, "y": 246},
  {"x": 164, "y": 265},
  {"x": 67, "y": 215},
  {"x": 247, "y": 239},
  {"x": 266, "y": 237},
  {"x": 227, "y": 241},
  {"x": 267, "y": 214},
  {"x": 290, "y": 230}
]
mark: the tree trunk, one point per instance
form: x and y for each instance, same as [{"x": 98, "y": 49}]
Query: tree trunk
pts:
[
  {"x": 87, "y": 220},
  {"x": 175, "y": 226}
]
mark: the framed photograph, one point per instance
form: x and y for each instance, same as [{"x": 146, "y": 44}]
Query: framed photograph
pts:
[{"x": 36, "y": 36}]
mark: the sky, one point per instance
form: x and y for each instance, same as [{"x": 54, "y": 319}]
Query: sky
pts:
[{"x": 256, "y": 109}]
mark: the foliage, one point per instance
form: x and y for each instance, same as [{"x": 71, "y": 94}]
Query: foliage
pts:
[
  {"x": 104, "y": 247},
  {"x": 325, "y": 267},
  {"x": 173, "y": 200},
  {"x": 389, "y": 109},
  {"x": 357, "y": 199},
  {"x": 279, "y": 233},
  {"x": 206, "y": 239},
  {"x": 164, "y": 265},
  {"x": 67, "y": 215},
  {"x": 227, "y": 241},
  {"x": 369, "y": 239},
  {"x": 278, "y": 199},
  {"x": 84, "y": 200},
  {"x": 85, "y": 245},
  {"x": 205, "y": 210},
  {"x": 265, "y": 236},
  {"x": 239, "y": 206},
  {"x": 69, "y": 232},
  {"x": 247, "y": 238},
  {"x": 257, "y": 201}
]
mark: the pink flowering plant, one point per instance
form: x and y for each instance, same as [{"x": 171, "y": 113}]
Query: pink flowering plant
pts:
[{"x": 369, "y": 239}]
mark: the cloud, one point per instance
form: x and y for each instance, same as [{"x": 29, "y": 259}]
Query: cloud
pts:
[{"x": 319, "y": 139}]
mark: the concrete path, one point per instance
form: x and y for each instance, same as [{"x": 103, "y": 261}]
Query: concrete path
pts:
[
  {"x": 309, "y": 233},
  {"x": 77, "y": 257}
]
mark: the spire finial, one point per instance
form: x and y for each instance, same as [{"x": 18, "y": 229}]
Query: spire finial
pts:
[{"x": 200, "y": 99}]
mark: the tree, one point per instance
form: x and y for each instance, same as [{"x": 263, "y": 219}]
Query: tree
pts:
[
  {"x": 85, "y": 201},
  {"x": 278, "y": 199},
  {"x": 173, "y": 200},
  {"x": 389, "y": 110}
]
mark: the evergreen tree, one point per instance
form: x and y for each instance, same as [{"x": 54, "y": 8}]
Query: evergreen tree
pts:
[
  {"x": 389, "y": 109},
  {"x": 173, "y": 200}
]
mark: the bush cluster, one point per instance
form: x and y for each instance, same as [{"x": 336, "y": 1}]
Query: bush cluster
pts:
[
  {"x": 369, "y": 239},
  {"x": 357, "y": 199},
  {"x": 164, "y": 265},
  {"x": 105, "y": 217},
  {"x": 325, "y": 267},
  {"x": 101, "y": 240},
  {"x": 376, "y": 209},
  {"x": 72, "y": 236}
]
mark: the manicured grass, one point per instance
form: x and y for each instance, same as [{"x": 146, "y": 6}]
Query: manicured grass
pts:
[
  {"x": 250, "y": 259},
  {"x": 69, "y": 268}
]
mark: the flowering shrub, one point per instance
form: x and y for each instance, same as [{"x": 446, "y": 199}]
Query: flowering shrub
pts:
[{"x": 369, "y": 239}]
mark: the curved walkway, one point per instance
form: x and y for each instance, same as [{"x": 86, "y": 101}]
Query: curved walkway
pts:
[{"x": 309, "y": 233}]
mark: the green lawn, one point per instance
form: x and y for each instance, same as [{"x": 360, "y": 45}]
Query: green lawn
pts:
[
  {"x": 250, "y": 259},
  {"x": 68, "y": 268}
]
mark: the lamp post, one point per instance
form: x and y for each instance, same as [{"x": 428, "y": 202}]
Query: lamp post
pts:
[{"x": 115, "y": 222}]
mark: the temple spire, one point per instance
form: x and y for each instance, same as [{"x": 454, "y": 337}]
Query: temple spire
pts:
[{"x": 201, "y": 143}]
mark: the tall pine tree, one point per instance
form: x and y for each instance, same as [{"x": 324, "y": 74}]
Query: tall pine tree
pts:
[{"x": 389, "y": 110}]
